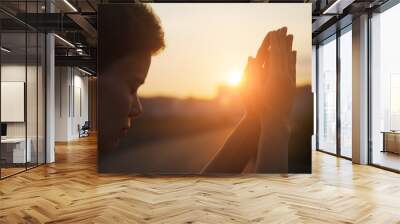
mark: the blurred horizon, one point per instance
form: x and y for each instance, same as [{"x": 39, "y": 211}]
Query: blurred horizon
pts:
[
  {"x": 208, "y": 44},
  {"x": 208, "y": 97}
]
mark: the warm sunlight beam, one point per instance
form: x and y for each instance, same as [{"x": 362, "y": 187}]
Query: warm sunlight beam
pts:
[{"x": 234, "y": 78}]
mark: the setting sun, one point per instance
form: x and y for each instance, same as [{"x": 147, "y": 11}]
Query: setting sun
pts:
[{"x": 234, "y": 78}]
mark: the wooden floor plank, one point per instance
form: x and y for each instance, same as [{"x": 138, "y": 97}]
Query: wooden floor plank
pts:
[{"x": 71, "y": 191}]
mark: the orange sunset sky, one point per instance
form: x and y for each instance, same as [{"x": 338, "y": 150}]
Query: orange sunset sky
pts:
[{"x": 208, "y": 44}]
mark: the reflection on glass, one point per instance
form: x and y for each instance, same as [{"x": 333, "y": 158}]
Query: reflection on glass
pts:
[
  {"x": 31, "y": 100},
  {"x": 22, "y": 91},
  {"x": 385, "y": 114},
  {"x": 327, "y": 97},
  {"x": 345, "y": 94},
  {"x": 394, "y": 102},
  {"x": 15, "y": 151},
  {"x": 40, "y": 99}
]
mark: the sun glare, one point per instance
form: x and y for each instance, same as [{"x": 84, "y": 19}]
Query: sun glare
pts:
[{"x": 234, "y": 78}]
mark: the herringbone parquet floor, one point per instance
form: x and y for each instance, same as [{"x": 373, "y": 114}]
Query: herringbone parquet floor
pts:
[{"x": 70, "y": 191}]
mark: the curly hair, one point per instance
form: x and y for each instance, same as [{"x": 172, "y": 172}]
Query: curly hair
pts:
[{"x": 126, "y": 29}]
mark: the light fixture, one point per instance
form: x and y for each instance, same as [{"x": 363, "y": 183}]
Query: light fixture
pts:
[
  {"x": 70, "y": 5},
  {"x": 5, "y": 50},
  {"x": 84, "y": 71},
  {"x": 80, "y": 51},
  {"x": 65, "y": 41},
  {"x": 337, "y": 7}
]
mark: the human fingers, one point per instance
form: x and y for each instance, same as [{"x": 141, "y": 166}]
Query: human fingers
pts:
[
  {"x": 278, "y": 55},
  {"x": 285, "y": 53},
  {"x": 252, "y": 73},
  {"x": 274, "y": 42},
  {"x": 245, "y": 83},
  {"x": 282, "y": 31},
  {"x": 281, "y": 52},
  {"x": 246, "y": 70},
  {"x": 289, "y": 42},
  {"x": 264, "y": 48},
  {"x": 288, "y": 59},
  {"x": 293, "y": 66}
]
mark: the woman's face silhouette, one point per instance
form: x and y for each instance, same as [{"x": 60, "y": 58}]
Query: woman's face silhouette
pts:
[{"x": 121, "y": 83}]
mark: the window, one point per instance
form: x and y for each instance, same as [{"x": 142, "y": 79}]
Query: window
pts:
[
  {"x": 346, "y": 94},
  {"x": 385, "y": 89},
  {"x": 327, "y": 96}
]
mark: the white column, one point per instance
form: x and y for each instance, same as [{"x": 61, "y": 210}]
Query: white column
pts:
[
  {"x": 50, "y": 92},
  {"x": 360, "y": 89},
  {"x": 63, "y": 76},
  {"x": 50, "y": 105}
]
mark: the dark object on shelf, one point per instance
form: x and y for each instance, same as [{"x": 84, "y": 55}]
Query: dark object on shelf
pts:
[
  {"x": 3, "y": 129},
  {"x": 391, "y": 141},
  {"x": 84, "y": 130}
]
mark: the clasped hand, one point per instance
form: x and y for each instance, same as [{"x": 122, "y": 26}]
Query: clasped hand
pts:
[{"x": 270, "y": 78}]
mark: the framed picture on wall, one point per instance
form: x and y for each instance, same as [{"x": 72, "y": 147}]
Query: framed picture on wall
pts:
[{"x": 220, "y": 88}]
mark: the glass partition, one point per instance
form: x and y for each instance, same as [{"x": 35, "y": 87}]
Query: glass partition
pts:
[
  {"x": 385, "y": 89},
  {"x": 14, "y": 153},
  {"x": 41, "y": 91},
  {"x": 22, "y": 88},
  {"x": 31, "y": 99},
  {"x": 327, "y": 96},
  {"x": 346, "y": 94}
]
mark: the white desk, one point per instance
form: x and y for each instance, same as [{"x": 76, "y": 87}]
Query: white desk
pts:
[{"x": 18, "y": 144}]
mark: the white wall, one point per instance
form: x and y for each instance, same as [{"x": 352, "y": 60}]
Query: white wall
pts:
[
  {"x": 62, "y": 80},
  {"x": 50, "y": 91},
  {"x": 12, "y": 73},
  {"x": 79, "y": 103},
  {"x": 71, "y": 93},
  {"x": 33, "y": 127}
]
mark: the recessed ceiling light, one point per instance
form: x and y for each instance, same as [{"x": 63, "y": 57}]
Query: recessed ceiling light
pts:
[
  {"x": 65, "y": 41},
  {"x": 5, "y": 50},
  {"x": 70, "y": 5},
  {"x": 84, "y": 71},
  {"x": 338, "y": 6}
]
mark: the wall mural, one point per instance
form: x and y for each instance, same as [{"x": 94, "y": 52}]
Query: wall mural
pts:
[{"x": 204, "y": 88}]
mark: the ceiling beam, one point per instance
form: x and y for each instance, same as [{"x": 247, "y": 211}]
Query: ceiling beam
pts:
[
  {"x": 338, "y": 6},
  {"x": 81, "y": 61},
  {"x": 84, "y": 24}
]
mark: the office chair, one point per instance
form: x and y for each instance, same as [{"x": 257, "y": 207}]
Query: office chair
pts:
[{"x": 84, "y": 130}]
